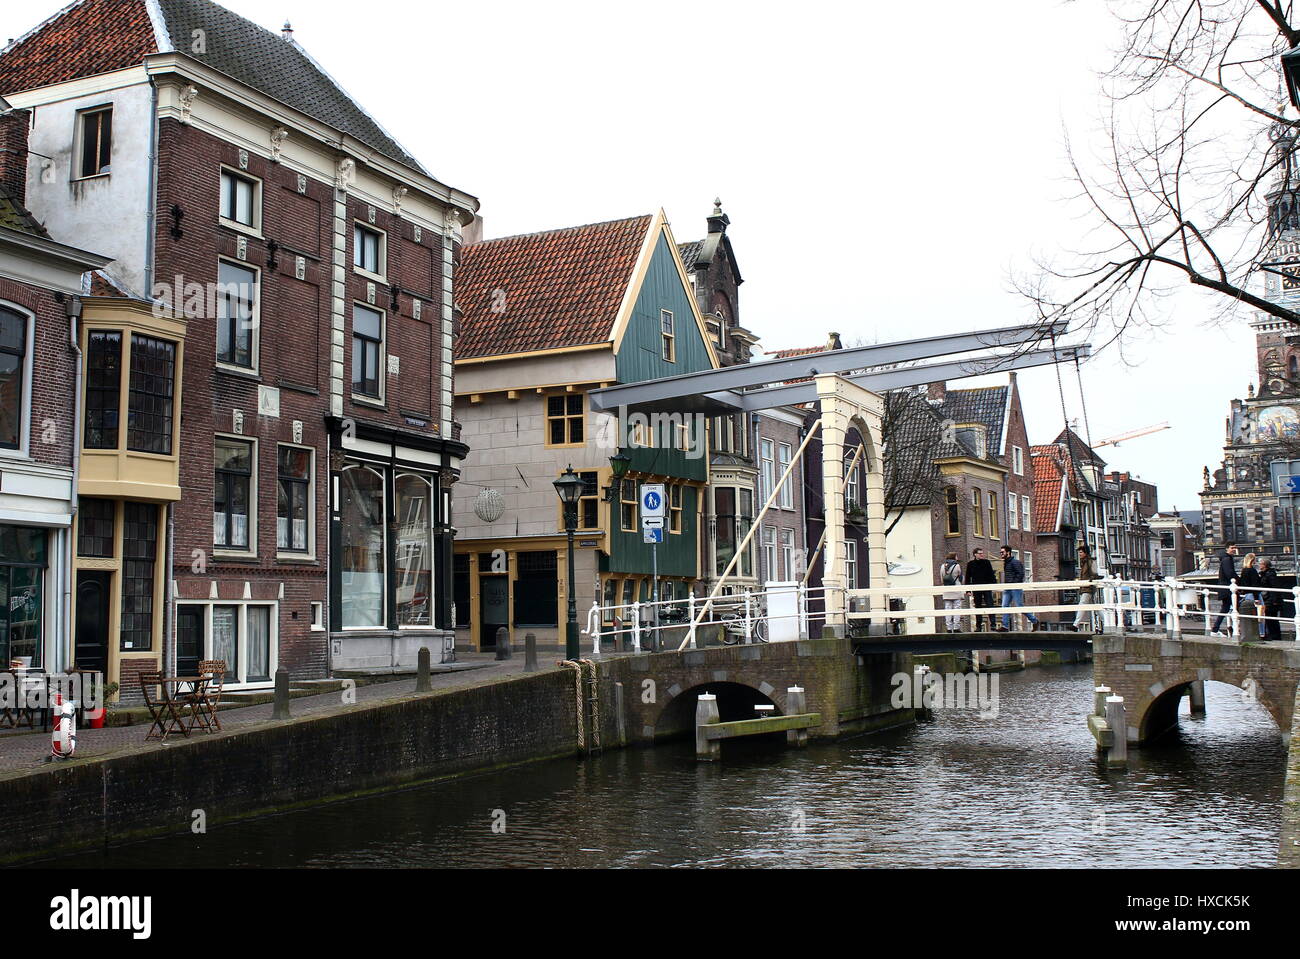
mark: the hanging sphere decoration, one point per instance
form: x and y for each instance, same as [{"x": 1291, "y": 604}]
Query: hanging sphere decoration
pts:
[{"x": 489, "y": 505}]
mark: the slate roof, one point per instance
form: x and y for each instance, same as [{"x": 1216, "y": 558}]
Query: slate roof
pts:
[
  {"x": 97, "y": 36},
  {"x": 15, "y": 216},
  {"x": 1079, "y": 452},
  {"x": 914, "y": 440},
  {"x": 559, "y": 288},
  {"x": 690, "y": 252},
  {"x": 986, "y": 405}
]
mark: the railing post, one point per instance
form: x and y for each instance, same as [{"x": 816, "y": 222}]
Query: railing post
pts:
[
  {"x": 690, "y": 618},
  {"x": 636, "y": 627},
  {"x": 593, "y": 627},
  {"x": 749, "y": 627},
  {"x": 1205, "y": 610},
  {"x": 803, "y": 610},
  {"x": 1173, "y": 624},
  {"x": 1234, "y": 617},
  {"x": 1295, "y": 620}
]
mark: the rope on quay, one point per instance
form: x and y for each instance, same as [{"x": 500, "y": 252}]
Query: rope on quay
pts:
[{"x": 580, "y": 712}]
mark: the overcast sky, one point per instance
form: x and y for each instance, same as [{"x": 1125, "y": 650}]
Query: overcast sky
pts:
[{"x": 885, "y": 166}]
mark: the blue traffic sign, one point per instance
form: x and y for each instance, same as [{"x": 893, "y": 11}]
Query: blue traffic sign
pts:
[
  {"x": 1291, "y": 484},
  {"x": 653, "y": 499}
]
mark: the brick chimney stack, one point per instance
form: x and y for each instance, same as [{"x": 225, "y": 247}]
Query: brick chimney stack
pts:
[
  {"x": 13, "y": 153},
  {"x": 937, "y": 392}
]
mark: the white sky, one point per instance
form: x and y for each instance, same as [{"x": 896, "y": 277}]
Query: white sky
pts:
[{"x": 885, "y": 166}]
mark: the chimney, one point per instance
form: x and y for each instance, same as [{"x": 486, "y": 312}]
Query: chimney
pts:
[
  {"x": 719, "y": 221},
  {"x": 13, "y": 153},
  {"x": 938, "y": 392},
  {"x": 286, "y": 31}
]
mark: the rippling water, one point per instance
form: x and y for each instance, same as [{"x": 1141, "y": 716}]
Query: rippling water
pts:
[{"x": 1023, "y": 789}]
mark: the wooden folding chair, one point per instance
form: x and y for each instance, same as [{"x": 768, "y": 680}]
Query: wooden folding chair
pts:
[
  {"x": 162, "y": 708},
  {"x": 214, "y": 671}
]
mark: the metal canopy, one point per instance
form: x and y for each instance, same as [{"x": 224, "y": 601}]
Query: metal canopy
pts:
[{"x": 749, "y": 386}]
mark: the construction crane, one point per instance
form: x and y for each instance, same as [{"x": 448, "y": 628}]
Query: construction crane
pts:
[{"x": 1132, "y": 434}]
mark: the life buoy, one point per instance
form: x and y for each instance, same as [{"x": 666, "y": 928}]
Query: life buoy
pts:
[{"x": 64, "y": 737}]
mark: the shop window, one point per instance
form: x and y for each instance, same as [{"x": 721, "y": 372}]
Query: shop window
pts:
[
  {"x": 139, "y": 564},
  {"x": 460, "y": 589},
  {"x": 536, "y": 597},
  {"x": 414, "y": 549},
  {"x": 22, "y": 600},
  {"x": 362, "y": 566}
]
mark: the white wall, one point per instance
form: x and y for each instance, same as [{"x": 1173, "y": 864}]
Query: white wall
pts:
[{"x": 911, "y": 540}]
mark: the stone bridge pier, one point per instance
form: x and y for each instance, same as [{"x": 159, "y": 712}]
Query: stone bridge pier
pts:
[
  {"x": 1153, "y": 673},
  {"x": 653, "y": 695}
]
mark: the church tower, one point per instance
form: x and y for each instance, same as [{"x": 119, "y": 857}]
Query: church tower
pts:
[{"x": 1277, "y": 341}]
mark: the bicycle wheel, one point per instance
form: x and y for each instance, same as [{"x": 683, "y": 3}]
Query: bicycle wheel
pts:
[{"x": 760, "y": 631}]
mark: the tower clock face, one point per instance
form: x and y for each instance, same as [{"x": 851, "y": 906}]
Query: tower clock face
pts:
[{"x": 1290, "y": 269}]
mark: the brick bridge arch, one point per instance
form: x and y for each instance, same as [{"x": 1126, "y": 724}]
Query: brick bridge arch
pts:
[{"x": 1153, "y": 672}]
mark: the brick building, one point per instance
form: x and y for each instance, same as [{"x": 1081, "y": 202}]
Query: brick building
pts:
[
  {"x": 41, "y": 280},
  {"x": 1133, "y": 545},
  {"x": 303, "y": 261}
]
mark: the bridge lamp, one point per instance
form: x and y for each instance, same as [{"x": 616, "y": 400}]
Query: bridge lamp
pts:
[
  {"x": 569, "y": 488},
  {"x": 618, "y": 465}
]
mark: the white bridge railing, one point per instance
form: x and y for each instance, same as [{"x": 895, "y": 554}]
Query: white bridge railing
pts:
[{"x": 786, "y": 612}]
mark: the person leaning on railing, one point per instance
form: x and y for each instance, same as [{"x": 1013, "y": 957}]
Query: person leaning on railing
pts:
[
  {"x": 1271, "y": 602},
  {"x": 1088, "y": 572},
  {"x": 1249, "y": 598}
]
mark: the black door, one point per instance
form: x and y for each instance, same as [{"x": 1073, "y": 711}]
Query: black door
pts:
[
  {"x": 93, "y": 589},
  {"x": 494, "y": 608},
  {"x": 189, "y": 639}
]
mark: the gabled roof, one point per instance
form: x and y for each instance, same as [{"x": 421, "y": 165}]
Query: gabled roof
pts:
[
  {"x": 546, "y": 291},
  {"x": 1049, "y": 475},
  {"x": 90, "y": 37},
  {"x": 1077, "y": 453},
  {"x": 915, "y": 438},
  {"x": 986, "y": 405}
]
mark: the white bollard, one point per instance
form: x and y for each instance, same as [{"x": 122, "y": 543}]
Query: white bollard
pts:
[
  {"x": 1099, "y": 695},
  {"x": 63, "y": 739},
  {"x": 1117, "y": 720},
  {"x": 706, "y": 712}
]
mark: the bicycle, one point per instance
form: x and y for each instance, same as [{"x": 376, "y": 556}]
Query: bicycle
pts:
[{"x": 733, "y": 626}]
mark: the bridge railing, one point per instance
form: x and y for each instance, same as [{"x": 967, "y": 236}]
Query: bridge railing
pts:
[
  {"x": 1247, "y": 611},
  {"x": 749, "y": 615}
]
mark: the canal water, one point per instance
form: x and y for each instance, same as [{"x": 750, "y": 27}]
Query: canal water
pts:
[{"x": 1021, "y": 789}]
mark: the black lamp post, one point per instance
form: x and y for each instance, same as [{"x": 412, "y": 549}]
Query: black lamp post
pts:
[
  {"x": 569, "y": 488},
  {"x": 1291, "y": 70}
]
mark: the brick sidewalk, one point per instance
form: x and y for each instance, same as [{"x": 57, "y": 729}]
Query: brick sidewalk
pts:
[{"x": 23, "y": 751}]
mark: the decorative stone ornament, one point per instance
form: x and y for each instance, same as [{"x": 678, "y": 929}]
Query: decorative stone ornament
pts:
[
  {"x": 370, "y": 293},
  {"x": 453, "y": 219},
  {"x": 419, "y": 234},
  {"x": 489, "y": 505},
  {"x": 243, "y": 159},
  {"x": 300, "y": 267},
  {"x": 237, "y": 421},
  {"x": 297, "y": 431},
  {"x": 399, "y": 193},
  {"x": 302, "y": 183},
  {"x": 344, "y": 172},
  {"x": 370, "y": 214},
  {"x": 187, "y": 101},
  {"x": 394, "y": 365},
  {"x": 278, "y": 136},
  {"x": 415, "y": 308},
  {"x": 241, "y": 248}
]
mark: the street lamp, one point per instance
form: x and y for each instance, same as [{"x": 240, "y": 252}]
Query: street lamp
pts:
[
  {"x": 569, "y": 488},
  {"x": 618, "y": 464}
]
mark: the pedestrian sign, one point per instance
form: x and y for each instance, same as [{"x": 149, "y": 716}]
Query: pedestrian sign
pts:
[
  {"x": 1286, "y": 477},
  {"x": 653, "y": 534},
  {"x": 653, "y": 500},
  {"x": 652, "y": 522}
]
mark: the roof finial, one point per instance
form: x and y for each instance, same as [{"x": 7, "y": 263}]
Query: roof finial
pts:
[
  {"x": 717, "y": 207},
  {"x": 286, "y": 31}
]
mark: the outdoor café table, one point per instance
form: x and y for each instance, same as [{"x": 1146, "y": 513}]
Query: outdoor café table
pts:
[{"x": 191, "y": 697}]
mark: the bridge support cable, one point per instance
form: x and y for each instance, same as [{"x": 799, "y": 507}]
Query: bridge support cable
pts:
[{"x": 697, "y": 618}]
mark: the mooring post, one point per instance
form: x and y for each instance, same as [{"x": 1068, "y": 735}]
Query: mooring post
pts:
[
  {"x": 1196, "y": 694},
  {"x": 1099, "y": 700},
  {"x": 620, "y": 719},
  {"x": 1117, "y": 720},
  {"x": 706, "y": 713},
  {"x": 503, "y": 643},
  {"x": 530, "y": 652},
  {"x": 281, "y": 707},
  {"x": 797, "y": 702},
  {"x": 422, "y": 683}
]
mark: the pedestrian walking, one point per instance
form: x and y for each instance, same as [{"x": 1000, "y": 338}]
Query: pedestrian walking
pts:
[
  {"x": 1086, "y": 572},
  {"x": 979, "y": 571},
  {"x": 1272, "y": 602},
  {"x": 1227, "y": 573},
  {"x": 1013, "y": 571},
  {"x": 1250, "y": 597},
  {"x": 950, "y": 575}
]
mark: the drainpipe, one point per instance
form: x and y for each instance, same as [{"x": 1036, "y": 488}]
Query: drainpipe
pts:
[
  {"x": 169, "y": 597},
  {"x": 72, "y": 308},
  {"x": 151, "y": 207}
]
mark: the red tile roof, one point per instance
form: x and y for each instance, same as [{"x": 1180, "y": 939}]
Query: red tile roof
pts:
[
  {"x": 1049, "y": 473},
  {"x": 544, "y": 291},
  {"x": 79, "y": 41}
]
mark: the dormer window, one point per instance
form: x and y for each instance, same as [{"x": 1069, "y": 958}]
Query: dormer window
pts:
[{"x": 971, "y": 436}]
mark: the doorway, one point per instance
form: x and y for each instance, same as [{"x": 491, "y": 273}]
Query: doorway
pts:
[
  {"x": 94, "y": 588},
  {"x": 494, "y": 590}
]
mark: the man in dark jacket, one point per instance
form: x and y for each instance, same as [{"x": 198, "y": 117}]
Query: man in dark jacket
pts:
[
  {"x": 1270, "y": 603},
  {"x": 980, "y": 570},
  {"x": 1227, "y": 573},
  {"x": 1013, "y": 571}
]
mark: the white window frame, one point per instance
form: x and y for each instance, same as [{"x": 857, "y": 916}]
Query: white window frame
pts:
[
  {"x": 254, "y": 228},
  {"x": 784, "y": 455},
  {"x": 851, "y": 563},
  {"x": 668, "y": 340},
  {"x": 431, "y": 480},
  {"x": 273, "y": 654},
  {"x": 1018, "y": 461},
  {"x": 767, "y": 467},
  {"x": 381, "y": 253},
  {"x": 785, "y": 543},
  {"x": 1013, "y": 511},
  {"x": 769, "y": 553},
  {"x": 25, "y": 400},
  {"x": 310, "y": 553},
  {"x": 252, "y": 495},
  {"x": 1026, "y": 514},
  {"x": 1028, "y": 560},
  {"x": 382, "y": 471},
  {"x": 381, "y": 399},
  {"x": 256, "y": 321}
]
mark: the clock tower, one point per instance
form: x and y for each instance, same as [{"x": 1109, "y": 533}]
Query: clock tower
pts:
[{"x": 1277, "y": 341}]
